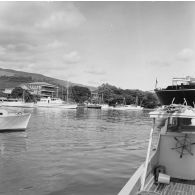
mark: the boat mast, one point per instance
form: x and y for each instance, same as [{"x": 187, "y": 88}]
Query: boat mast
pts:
[
  {"x": 57, "y": 92},
  {"x": 67, "y": 92},
  {"x": 136, "y": 100},
  {"x": 23, "y": 95}
]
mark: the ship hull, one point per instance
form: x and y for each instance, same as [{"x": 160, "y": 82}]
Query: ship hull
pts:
[{"x": 180, "y": 96}]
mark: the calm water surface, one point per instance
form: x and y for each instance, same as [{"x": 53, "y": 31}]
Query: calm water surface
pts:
[{"x": 73, "y": 152}]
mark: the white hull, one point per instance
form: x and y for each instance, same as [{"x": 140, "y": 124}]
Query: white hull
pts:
[
  {"x": 18, "y": 104},
  {"x": 55, "y": 105},
  {"x": 69, "y": 106},
  {"x": 128, "y": 107},
  {"x": 40, "y": 104},
  {"x": 106, "y": 106},
  {"x": 17, "y": 121}
]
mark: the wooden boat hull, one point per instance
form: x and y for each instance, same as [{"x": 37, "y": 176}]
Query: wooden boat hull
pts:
[
  {"x": 14, "y": 122},
  {"x": 94, "y": 106}
]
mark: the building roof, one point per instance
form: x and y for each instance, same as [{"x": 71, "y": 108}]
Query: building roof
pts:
[{"x": 42, "y": 84}]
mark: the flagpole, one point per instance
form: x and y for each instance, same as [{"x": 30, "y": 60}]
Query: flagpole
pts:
[{"x": 156, "y": 83}]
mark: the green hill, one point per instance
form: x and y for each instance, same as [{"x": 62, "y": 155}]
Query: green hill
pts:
[{"x": 12, "y": 78}]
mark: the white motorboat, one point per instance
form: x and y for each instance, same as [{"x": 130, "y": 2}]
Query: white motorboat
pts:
[
  {"x": 13, "y": 102},
  {"x": 69, "y": 106},
  {"x": 106, "y": 106},
  {"x": 13, "y": 121},
  {"x": 49, "y": 102},
  {"x": 55, "y": 102},
  {"x": 170, "y": 169}
]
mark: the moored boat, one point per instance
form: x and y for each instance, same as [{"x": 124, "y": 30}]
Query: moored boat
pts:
[
  {"x": 128, "y": 107},
  {"x": 55, "y": 102},
  {"x": 13, "y": 121},
  {"x": 181, "y": 91},
  {"x": 105, "y": 106},
  {"x": 14, "y": 102},
  {"x": 170, "y": 169},
  {"x": 94, "y": 106}
]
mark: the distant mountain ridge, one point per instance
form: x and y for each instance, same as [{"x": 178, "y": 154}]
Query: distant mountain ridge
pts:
[{"x": 12, "y": 78}]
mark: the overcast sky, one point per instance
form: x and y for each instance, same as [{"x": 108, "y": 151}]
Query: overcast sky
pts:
[{"x": 126, "y": 44}]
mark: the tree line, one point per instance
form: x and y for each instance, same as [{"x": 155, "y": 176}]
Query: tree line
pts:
[{"x": 104, "y": 94}]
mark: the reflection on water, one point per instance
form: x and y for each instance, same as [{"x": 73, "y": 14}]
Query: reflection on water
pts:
[{"x": 78, "y": 152}]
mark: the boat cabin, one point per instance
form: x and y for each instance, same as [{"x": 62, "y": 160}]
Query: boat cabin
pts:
[
  {"x": 174, "y": 157},
  {"x": 176, "y": 147}
]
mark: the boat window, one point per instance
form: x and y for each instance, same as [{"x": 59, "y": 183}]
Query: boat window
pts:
[
  {"x": 1, "y": 113},
  {"x": 180, "y": 124}
]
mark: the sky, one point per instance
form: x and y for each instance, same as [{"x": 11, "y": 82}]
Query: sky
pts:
[{"x": 126, "y": 44}]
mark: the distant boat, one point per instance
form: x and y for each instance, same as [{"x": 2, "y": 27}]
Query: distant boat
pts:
[
  {"x": 106, "y": 106},
  {"x": 103, "y": 104},
  {"x": 128, "y": 107},
  {"x": 94, "y": 106},
  {"x": 13, "y": 121},
  {"x": 67, "y": 104},
  {"x": 55, "y": 102},
  {"x": 14, "y": 102}
]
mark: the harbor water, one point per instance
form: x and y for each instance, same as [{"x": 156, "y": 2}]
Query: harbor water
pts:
[{"x": 73, "y": 152}]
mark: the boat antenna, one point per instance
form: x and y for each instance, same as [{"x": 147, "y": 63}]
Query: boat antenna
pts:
[{"x": 173, "y": 100}]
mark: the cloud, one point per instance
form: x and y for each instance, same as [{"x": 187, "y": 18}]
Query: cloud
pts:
[
  {"x": 72, "y": 57},
  {"x": 158, "y": 63},
  {"x": 2, "y": 51},
  {"x": 40, "y": 15},
  {"x": 96, "y": 72},
  {"x": 186, "y": 54},
  {"x": 33, "y": 35},
  {"x": 61, "y": 20}
]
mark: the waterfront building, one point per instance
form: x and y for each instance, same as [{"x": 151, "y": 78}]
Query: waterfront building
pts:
[{"x": 41, "y": 89}]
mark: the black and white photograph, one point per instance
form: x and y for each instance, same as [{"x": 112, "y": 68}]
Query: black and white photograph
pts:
[{"x": 97, "y": 98}]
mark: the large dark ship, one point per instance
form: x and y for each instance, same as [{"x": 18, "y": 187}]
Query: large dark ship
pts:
[{"x": 182, "y": 91}]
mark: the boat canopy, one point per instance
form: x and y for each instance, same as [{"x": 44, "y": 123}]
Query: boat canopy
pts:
[{"x": 174, "y": 111}]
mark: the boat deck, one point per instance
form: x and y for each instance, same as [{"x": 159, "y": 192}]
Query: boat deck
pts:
[{"x": 176, "y": 187}]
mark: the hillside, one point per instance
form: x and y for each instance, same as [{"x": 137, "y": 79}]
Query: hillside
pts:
[{"x": 12, "y": 78}]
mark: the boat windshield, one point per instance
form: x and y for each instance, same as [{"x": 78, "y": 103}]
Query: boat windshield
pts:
[{"x": 181, "y": 124}]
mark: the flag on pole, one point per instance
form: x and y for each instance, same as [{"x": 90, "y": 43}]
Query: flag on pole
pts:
[{"x": 156, "y": 83}]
